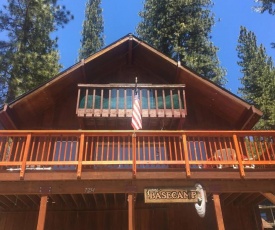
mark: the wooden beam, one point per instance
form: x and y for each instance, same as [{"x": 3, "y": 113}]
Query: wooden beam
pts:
[
  {"x": 134, "y": 169},
  {"x": 218, "y": 211},
  {"x": 80, "y": 156},
  {"x": 42, "y": 212},
  {"x": 6, "y": 120},
  {"x": 141, "y": 175},
  {"x": 187, "y": 166},
  {"x": 239, "y": 156},
  {"x": 130, "y": 50},
  {"x": 131, "y": 186},
  {"x": 131, "y": 212},
  {"x": 25, "y": 156},
  {"x": 270, "y": 197}
]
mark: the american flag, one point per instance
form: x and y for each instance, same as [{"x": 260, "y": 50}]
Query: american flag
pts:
[{"x": 136, "y": 115}]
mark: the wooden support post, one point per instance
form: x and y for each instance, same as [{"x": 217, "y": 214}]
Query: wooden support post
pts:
[
  {"x": 25, "y": 156},
  {"x": 131, "y": 212},
  {"x": 42, "y": 212},
  {"x": 270, "y": 197},
  {"x": 218, "y": 211},
  {"x": 239, "y": 156},
  {"x": 186, "y": 158},
  {"x": 134, "y": 149},
  {"x": 80, "y": 156}
]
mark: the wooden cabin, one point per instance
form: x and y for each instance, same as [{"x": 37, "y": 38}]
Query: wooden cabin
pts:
[{"x": 69, "y": 158}]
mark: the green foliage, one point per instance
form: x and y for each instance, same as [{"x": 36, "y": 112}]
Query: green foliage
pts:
[
  {"x": 181, "y": 30},
  {"x": 92, "y": 33},
  {"x": 29, "y": 52},
  {"x": 265, "y": 5},
  {"x": 258, "y": 78}
]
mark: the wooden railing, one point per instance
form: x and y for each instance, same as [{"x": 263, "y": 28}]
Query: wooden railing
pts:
[
  {"x": 116, "y": 100},
  {"x": 136, "y": 151}
]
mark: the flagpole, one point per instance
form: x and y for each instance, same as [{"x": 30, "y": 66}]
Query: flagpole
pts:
[{"x": 136, "y": 86}]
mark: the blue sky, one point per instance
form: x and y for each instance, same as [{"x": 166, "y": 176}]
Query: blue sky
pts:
[{"x": 121, "y": 17}]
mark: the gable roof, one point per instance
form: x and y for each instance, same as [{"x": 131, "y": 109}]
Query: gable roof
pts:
[{"x": 130, "y": 50}]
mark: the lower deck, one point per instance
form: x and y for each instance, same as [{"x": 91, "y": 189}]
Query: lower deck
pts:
[
  {"x": 114, "y": 211},
  {"x": 90, "y": 179}
]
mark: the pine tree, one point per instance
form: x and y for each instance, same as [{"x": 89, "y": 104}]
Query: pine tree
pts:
[
  {"x": 29, "y": 52},
  {"x": 92, "y": 33},
  {"x": 258, "y": 78},
  {"x": 181, "y": 30},
  {"x": 265, "y": 5}
]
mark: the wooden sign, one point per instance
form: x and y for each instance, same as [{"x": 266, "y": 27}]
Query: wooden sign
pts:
[{"x": 171, "y": 195}]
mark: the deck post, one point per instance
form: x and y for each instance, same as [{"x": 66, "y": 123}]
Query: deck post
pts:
[
  {"x": 25, "y": 156},
  {"x": 42, "y": 212},
  {"x": 239, "y": 156},
  {"x": 131, "y": 212},
  {"x": 134, "y": 143},
  {"x": 186, "y": 158},
  {"x": 218, "y": 211},
  {"x": 80, "y": 156},
  {"x": 270, "y": 197}
]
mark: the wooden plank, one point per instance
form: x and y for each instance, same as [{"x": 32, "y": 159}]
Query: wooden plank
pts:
[
  {"x": 131, "y": 85},
  {"x": 134, "y": 166},
  {"x": 42, "y": 212},
  {"x": 80, "y": 157},
  {"x": 270, "y": 197},
  {"x": 131, "y": 211},
  {"x": 239, "y": 157},
  {"x": 218, "y": 211},
  {"x": 121, "y": 185},
  {"x": 6, "y": 119},
  {"x": 187, "y": 166}
]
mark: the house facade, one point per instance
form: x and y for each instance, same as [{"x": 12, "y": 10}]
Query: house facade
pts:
[{"x": 70, "y": 159}]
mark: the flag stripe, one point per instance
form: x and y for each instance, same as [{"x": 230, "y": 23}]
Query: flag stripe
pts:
[{"x": 136, "y": 114}]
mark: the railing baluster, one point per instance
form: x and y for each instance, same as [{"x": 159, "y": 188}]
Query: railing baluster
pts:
[
  {"x": 86, "y": 100},
  {"x": 101, "y": 101},
  {"x": 164, "y": 102},
  {"x": 154, "y": 152},
  {"x": 25, "y": 156},
  {"x": 94, "y": 93},
  {"x": 156, "y": 102},
  {"x": 125, "y": 101},
  {"x": 172, "y": 102},
  {"x": 148, "y": 101}
]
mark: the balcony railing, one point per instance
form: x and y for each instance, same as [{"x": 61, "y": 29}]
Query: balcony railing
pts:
[
  {"x": 116, "y": 100},
  {"x": 80, "y": 151}
]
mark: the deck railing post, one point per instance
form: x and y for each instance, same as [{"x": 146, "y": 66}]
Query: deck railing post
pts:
[
  {"x": 131, "y": 212},
  {"x": 134, "y": 144},
  {"x": 25, "y": 156},
  {"x": 80, "y": 156},
  {"x": 239, "y": 156},
  {"x": 42, "y": 213},
  {"x": 186, "y": 158},
  {"x": 218, "y": 211}
]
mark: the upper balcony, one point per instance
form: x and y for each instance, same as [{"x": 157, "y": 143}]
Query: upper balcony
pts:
[
  {"x": 105, "y": 106},
  {"x": 128, "y": 154}
]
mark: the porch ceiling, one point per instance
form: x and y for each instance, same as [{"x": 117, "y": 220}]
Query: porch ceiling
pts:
[{"x": 107, "y": 201}]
